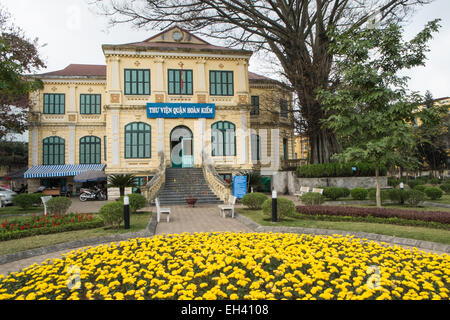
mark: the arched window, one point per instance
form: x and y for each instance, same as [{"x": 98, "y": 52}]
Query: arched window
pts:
[
  {"x": 53, "y": 151},
  {"x": 90, "y": 151},
  {"x": 256, "y": 147},
  {"x": 137, "y": 140},
  {"x": 223, "y": 139}
]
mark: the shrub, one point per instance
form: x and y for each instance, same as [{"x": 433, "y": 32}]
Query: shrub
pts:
[
  {"x": 415, "y": 197},
  {"x": 336, "y": 169},
  {"x": 37, "y": 198},
  {"x": 393, "y": 182},
  {"x": 285, "y": 208},
  {"x": 429, "y": 216},
  {"x": 415, "y": 182},
  {"x": 398, "y": 195},
  {"x": 58, "y": 205},
  {"x": 359, "y": 193},
  {"x": 435, "y": 181},
  {"x": 312, "y": 198},
  {"x": 372, "y": 194},
  {"x": 433, "y": 193},
  {"x": 345, "y": 191},
  {"x": 112, "y": 213},
  {"x": 333, "y": 193},
  {"x": 24, "y": 200},
  {"x": 445, "y": 187},
  {"x": 420, "y": 187},
  {"x": 254, "y": 200},
  {"x": 137, "y": 201}
]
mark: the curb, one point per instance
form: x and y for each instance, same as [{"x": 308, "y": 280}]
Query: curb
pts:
[
  {"x": 16, "y": 256},
  {"x": 370, "y": 236}
]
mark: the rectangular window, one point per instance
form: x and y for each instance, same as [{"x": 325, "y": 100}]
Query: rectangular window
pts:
[
  {"x": 255, "y": 106},
  {"x": 54, "y": 103},
  {"x": 180, "y": 81},
  {"x": 137, "y": 82},
  {"x": 285, "y": 149},
  {"x": 283, "y": 108},
  {"x": 90, "y": 103},
  {"x": 221, "y": 83}
]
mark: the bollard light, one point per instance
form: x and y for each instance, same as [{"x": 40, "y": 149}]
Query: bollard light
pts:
[
  {"x": 126, "y": 212},
  {"x": 274, "y": 206}
]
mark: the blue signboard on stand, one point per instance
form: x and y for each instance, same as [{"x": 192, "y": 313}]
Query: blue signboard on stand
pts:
[
  {"x": 181, "y": 110},
  {"x": 239, "y": 186}
]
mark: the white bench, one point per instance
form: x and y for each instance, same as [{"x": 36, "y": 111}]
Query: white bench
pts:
[
  {"x": 229, "y": 206},
  {"x": 302, "y": 191},
  {"x": 318, "y": 190},
  {"x": 44, "y": 201},
  {"x": 160, "y": 210}
]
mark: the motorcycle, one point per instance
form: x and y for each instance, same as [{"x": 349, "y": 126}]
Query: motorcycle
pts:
[{"x": 88, "y": 194}]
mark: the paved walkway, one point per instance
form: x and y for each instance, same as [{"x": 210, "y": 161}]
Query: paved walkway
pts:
[{"x": 198, "y": 219}]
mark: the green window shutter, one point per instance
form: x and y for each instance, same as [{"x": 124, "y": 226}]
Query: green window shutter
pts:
[{"x": 137, "y": 141}]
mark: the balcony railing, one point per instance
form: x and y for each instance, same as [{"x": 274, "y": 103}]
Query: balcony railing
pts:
[{"x": 292, "y": 164}]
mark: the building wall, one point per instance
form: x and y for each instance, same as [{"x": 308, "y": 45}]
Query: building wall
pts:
[{"x": 119, "y": 109}]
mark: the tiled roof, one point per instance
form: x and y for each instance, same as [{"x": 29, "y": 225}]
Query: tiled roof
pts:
[
  {"x": 79, "y": 70},
  {"x": 74, "y": 70}
]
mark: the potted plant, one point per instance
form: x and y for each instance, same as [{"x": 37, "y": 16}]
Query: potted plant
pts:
[{"x": 191, "y": 199}]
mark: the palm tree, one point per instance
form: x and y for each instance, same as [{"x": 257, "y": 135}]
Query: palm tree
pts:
[{"x": 122, "y": 181}]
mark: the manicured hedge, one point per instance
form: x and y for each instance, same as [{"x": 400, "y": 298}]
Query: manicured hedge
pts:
[
  {"x": 435, "y": 216},
  {"x": 254, "y": 200},
  {"x": 336, "y": 169}
]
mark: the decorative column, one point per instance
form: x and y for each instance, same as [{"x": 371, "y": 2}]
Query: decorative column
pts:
[
  {"x": 201, "y": 90},
  {"x": 114, "y": 90},
  {"x": 243, "y": 136},
  {"x": 160, "y": 135},
  {"x": 158, "y": 85},
  {"x": 34, "y": 147},
  {"x": 115, "y": 137},
  {"x": 71, "y": 157}
]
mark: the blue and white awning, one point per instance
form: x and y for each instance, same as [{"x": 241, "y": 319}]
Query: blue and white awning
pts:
[{"x": 68, "y": 170}]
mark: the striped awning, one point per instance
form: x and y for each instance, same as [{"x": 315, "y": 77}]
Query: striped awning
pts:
[{"x": 68, "y": 170}]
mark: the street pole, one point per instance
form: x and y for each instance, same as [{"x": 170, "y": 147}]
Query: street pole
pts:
[
  {"x": 126, "y": 212},
  {"x": 274, "y": 206}
]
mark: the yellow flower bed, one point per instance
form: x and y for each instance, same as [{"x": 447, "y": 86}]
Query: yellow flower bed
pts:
[{"x": 236, "y": 266}]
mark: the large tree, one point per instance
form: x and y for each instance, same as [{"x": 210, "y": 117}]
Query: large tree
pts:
[
  {"x": 295, "y": 31},
  {"x": 372, "y": 108},
  {"x": 18, "y": 56},
  {"x": 431, "y": 133}
]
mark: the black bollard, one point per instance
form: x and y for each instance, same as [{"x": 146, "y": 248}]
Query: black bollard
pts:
[
  {"x": 274, "y": 206},
  {"x": 126, "y": 212}
]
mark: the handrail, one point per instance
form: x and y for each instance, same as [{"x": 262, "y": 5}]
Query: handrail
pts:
[
  {"x": 154, "y": 185},
  {"x": 221, "y": 188}
]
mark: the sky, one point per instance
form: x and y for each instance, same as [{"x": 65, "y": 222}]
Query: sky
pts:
[{"x": 70, "y": 32}]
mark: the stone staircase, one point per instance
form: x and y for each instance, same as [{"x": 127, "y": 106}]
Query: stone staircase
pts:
[{"x": 182, "y": 183}]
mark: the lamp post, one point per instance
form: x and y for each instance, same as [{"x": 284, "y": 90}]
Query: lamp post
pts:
[
  {"x": 274, "y": 206},
  {"x": 126, "y": 212}
]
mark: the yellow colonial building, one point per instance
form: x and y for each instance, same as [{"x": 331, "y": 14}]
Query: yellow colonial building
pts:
[{"x": 170, "y": 101}]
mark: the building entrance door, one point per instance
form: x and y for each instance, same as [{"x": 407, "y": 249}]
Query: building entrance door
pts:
[{"x": 181, "y": 147}]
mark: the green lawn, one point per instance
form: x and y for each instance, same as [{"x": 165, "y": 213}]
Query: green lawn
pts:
[
  {"x": 138, "y": 222},
  {"x": 14, "y": 210},
  {"x": 418, "y": 233}
]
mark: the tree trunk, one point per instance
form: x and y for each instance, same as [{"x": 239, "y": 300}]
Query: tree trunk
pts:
[
  {"x": 377, "y": 179},
  {"x": 323, "y": 145},
  {"x": 122, "y": 191}
]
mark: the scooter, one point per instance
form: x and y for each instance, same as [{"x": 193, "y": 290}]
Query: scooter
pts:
[{"x": 87, "y": 194}]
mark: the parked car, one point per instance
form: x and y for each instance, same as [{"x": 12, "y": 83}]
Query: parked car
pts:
[{"x": 7, "y": 196}]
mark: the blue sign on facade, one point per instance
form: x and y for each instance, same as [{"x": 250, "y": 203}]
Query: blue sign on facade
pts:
[
  {"x": 181, "y": 110},
  {"x": 239, "y": 186}
]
